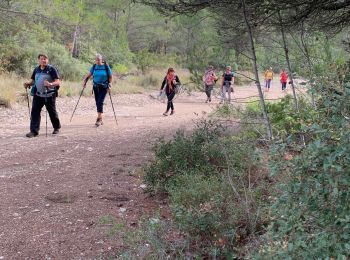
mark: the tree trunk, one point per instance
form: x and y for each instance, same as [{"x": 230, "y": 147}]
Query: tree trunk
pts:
[
  {"x": 290, "y": 74},
  {"x": 310, "y": 66},
  {"x": 256, "y": 72},
  {"x": 286, "y": 52},
  {"x": 75, "y": 48}
]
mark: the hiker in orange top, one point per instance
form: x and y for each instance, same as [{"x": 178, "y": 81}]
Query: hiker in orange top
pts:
[
  {"x": 268, "y": 79},
  {"x": 209, "y": 80},
  {"x": 284, "y": 79},
  {"x": 170, "y": 82}
]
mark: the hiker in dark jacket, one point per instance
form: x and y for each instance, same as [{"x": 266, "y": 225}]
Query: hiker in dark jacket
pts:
[
  {"x": 170, "y": 83},
  {"x": 102, "y": 77},
  {"x": 228, "y": 79},
  {"x": 45, "y": 81}
]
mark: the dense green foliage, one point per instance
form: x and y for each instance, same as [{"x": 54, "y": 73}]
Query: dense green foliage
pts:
[
  {"x": 217, "y": 193},
  {"x": 311, "y": 216},
  {"x": 72, "y": 32}
]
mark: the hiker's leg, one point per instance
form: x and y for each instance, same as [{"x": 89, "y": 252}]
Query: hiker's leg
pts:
[
  {"x": 37, "y": 105},
  {"x": 172, "y": 96},
  {"x": 229, "y": 94},
  {"x": 102, "y": 92},
  {"x": 210, "y": 91},
  {"x": 223, "y": 93},
  {"x": 95, "y": 91},
  {"x": 169, "y": 103},
  {"x": 207, "y": 91},
  {"x": 51, "y": 109}
]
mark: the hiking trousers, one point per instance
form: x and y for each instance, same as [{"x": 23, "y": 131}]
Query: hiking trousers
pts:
[
  {"x": 100, "y": 93},
  {"x": 268, "y": 83},
  {"x": 209, "y": 90},
  {"x": 284, "y": 85},
  {"x": 226, "y": 88},
  {"x": 170, "y": 97},
  {"x": 38, "y": 104}
]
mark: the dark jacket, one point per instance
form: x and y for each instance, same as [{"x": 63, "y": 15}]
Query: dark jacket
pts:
[{"x": 169, "y": 89}]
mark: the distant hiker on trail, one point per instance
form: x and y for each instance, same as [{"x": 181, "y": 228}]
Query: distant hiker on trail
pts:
[
  {"x": 209, "y": 80},
  {"x": 170, "y": 82},
  {"x": 102, "y": 77},
  {"x": 268, "y": 79},
  {"x": 45, "y": 81},
  {"x": 228, "y": 79},
  {"x": 284, "y": 79}
]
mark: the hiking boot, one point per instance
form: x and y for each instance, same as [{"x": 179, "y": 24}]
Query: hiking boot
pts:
[
  {"x": 99, "y": 122},
  {"x": 56, "y": 131},
  {"x": 31, "y": 135},
  {"x": 172, "y": 112},
  {"x": 165, "y": 114}
]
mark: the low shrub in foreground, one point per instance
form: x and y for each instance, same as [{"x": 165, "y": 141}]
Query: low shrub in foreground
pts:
[{"x": 217, "y": 194}]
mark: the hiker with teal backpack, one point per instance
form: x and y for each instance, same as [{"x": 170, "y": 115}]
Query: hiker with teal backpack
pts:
[
  {"x": 44, "y": 84},
  {"x": 102, "y": 77}
]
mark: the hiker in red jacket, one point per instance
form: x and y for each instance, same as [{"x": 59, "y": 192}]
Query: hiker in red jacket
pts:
[
  {"x": 170, "y": 82},
  {"x": 284, "y": 79}
]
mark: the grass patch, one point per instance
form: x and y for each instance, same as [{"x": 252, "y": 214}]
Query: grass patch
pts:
[{"x": 9, "y": 86}]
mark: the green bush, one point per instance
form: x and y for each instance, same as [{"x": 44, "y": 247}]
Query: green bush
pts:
[
  {"x": 216, "y": 192},
  {"x": 69, "y": 68},
  {"x": 311, "y": 217},
  {"x": 120, "y": 69},
  {"x": 183, "y": 153},
  {"x": 144, "y": 60}
]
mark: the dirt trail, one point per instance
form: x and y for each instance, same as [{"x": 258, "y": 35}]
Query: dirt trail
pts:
[{"x": 55, "y": 190}]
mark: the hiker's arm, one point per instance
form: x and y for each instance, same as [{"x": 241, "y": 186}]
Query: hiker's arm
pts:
[
  {"x": 110, "y": 75},
  {"x": 177, "y": 80},
  {"x": 86, "y": 79},
  {"x": 53, "y": 84},
  {"x": 28, "y": 84},
  {"x": 163, "y": 84},
  {"x": 32, "y": 80},
  {"x": 55, "y": 77}
]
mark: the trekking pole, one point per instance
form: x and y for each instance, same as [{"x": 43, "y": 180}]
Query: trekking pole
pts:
[
  {"x": 110, "y": 96},
  {"x": 81, "y": 93},
  {"x": 28, "y": 104},
  {"x": 46, "y": 108}
]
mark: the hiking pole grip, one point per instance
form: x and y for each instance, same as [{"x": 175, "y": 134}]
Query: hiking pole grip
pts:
[{"x": 81, "y": 93}]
